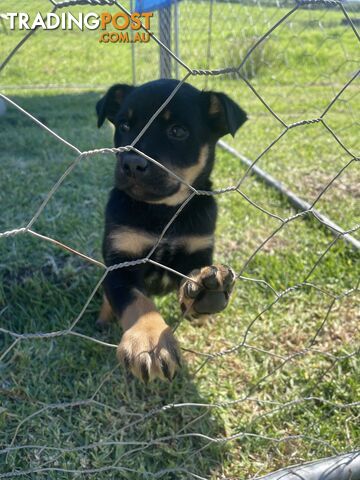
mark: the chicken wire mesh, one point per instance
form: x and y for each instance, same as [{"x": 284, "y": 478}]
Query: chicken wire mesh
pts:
[{"x": 277, "y": 382}]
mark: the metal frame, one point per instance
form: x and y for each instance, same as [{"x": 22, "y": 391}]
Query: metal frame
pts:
[{"x": 342, "y": 467}]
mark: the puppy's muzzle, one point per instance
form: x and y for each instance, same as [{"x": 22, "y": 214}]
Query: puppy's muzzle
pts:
[{"x": 133, "y": 165}]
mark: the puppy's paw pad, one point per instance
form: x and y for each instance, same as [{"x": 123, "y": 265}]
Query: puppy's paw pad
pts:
[{"x": 210, "y": 291}]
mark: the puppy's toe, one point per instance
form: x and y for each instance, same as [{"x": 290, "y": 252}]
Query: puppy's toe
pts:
[
  {"x": 210, "y": 278},
  {"x": 217, "y": 277},
  {"x": 192, "y": 289},
  {"x": 168, "y": 364},
  {"x": 228, "y": 277}
]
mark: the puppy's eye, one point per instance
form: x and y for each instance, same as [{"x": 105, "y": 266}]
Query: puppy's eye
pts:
[
  {"x": 178, "y": 132},
  {"x": 124, "y": 126}
]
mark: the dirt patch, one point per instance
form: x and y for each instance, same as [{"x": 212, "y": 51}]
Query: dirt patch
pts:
[{"x": 346, "y": 185}]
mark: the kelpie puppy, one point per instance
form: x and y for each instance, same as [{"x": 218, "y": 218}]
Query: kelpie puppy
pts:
[{"x": 145, "y": 197}]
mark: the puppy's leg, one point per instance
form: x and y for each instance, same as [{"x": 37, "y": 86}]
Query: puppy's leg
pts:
[
  {"x": 148, "y": 348},
  {"x": 210, "y": 291},
  {"x": 105, "y": 314}
]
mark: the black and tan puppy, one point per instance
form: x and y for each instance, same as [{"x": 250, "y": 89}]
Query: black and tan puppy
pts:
[{"x": 182, "y": 138}]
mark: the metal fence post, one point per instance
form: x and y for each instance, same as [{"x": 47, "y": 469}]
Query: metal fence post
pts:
[
  {"x": 176, "y": 36},
  {"x": 340, "y": 467},
  {"x": 165, "y": 38},
  {"x": 133, "y": 60}
]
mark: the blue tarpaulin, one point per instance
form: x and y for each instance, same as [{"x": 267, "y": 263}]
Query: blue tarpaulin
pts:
[{"x": 149, "y": 5}]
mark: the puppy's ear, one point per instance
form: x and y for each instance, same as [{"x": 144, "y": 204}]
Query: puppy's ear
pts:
[
  {"x": 224, "y": 115},
  {"x": 109, "y": 104}
]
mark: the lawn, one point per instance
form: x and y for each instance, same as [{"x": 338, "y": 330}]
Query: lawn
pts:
[{"x": 271, "y": 381}]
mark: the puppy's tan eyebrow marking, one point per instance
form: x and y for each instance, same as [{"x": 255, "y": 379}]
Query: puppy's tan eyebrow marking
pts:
[
  {"x": 132, "y": 241},
  {"x": 166, "y": 114},
  {"x": 215, "y": 106},
  {"x": 130, "y": 113}
]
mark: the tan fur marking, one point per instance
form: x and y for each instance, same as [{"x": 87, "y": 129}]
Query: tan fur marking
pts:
[
  {"x": 179, "y": 197},
  {"x": 131, "y": 240},
  {"x": 148, "y": 343},
  {"x": 130, "y": 113},
  {"x": 166, "y": 115},
  {"x": 193, "y": 243},
  {"x": 142, "y": 308},
  {"x": 106, "y": 313},
  {"x": 189, "y": 175},
  {"x": 138, "y": 242},
  {"x": 215, "y": 105}
]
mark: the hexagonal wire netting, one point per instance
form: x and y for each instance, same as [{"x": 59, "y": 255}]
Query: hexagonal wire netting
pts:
[{"x": 280, "y": 382}]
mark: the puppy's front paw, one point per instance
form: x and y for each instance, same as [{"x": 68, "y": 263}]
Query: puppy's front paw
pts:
[
  {"x": 211, "y": 292},
  {"x": 149, "y": 349}
]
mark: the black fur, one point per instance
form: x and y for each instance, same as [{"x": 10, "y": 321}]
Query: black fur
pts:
[{"x": 141, "y": 187}]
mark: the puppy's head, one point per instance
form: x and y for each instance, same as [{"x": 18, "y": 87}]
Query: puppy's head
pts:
[{"x": 182, "y": 137}]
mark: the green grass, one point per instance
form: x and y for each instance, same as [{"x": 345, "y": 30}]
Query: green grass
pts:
[{"x": 120, "y": 422}]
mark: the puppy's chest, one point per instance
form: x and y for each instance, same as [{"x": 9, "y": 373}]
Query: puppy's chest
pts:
[
  {"x": 136, "y": 242},
  {"x": 166, "y": 249},
  {"x": 174, "y": 252}
]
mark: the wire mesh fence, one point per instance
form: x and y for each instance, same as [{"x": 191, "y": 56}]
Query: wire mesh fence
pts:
[{"x": 273, "y": 380}]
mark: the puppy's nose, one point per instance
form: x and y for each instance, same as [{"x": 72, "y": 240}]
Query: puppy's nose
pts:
[{"x": 134, "y": 165}]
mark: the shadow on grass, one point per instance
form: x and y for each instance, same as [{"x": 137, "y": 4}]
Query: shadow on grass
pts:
[
  {"x": 66, "y": 406},
  {"x": 66, "y": 400}
]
